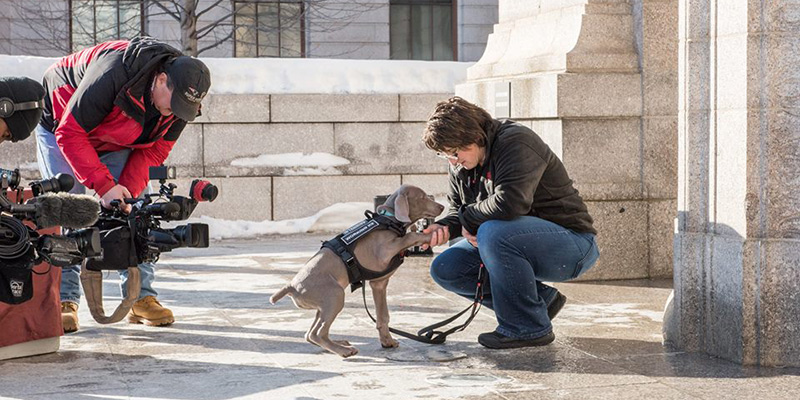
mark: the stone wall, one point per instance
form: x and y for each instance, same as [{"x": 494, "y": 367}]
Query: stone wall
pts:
[
  {"x": 599, "y": 84},
  {"x": 378, "y": 133},
  {"x": 737, "y": 263}
]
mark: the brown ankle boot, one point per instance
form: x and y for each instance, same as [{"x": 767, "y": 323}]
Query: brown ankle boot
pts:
[
  {"x": 69, "y": 316},
  {"x": 149, "y": 311}
]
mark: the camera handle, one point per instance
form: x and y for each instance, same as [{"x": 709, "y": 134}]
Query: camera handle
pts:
[{"x": 92, "y": 282}]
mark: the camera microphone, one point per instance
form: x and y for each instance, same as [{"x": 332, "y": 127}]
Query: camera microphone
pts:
[
  {"x": 64, "y": 209},
  {"x": 201, "y": 190}
]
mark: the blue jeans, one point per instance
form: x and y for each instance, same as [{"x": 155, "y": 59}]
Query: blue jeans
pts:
[
  {"x": 51, "y": 162},
  {"x": 518, "y": 255}
]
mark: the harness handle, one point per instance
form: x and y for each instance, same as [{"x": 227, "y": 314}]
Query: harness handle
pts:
[{"x": 428, "y": 334}]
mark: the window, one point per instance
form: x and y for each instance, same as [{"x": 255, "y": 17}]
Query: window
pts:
[
  {"x": 422, "y": 30},
  {"x": 269, "y": 28},
  {"x": 97, "y": 21}
]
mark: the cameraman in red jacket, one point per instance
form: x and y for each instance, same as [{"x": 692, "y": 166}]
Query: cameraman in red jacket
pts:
[{"x": 111, "y": 112}]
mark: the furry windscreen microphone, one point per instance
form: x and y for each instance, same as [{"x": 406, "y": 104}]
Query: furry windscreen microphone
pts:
[{"x": 66, "y": 210}]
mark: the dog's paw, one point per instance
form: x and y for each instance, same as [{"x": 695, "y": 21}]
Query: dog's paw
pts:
[
  {"x": 390, "y": 343},
  {"x": 347, "y": 351}
]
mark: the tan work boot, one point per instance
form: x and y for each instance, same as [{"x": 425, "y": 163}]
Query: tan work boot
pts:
[
  {"x": 69, "y": 316},
  {"x": 149, "y": 311}
]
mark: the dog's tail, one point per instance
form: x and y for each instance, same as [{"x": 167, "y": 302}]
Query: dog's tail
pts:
[{"x": 283, "y": 292}]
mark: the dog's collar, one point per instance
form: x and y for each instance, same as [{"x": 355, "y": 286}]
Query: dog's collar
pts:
[{"x": 385, "y": 213}]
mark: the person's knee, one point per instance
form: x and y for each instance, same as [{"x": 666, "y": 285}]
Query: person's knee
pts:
[
  {"x": 439, "y": 270},
  {"x": 490, "y": 233}
]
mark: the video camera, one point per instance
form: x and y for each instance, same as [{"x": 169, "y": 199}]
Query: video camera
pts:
[
  {"x": 137, "y": 237},
  {"x": 22, "y": 247}
]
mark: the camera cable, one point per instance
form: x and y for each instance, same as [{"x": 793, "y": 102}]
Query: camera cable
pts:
[{"x": 18, "y": 242}]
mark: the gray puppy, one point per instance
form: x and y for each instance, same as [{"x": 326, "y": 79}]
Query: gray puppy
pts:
[{"x": 320, "y": 284}]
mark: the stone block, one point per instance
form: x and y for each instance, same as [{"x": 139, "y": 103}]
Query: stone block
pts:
[
  {"x": 781, "y": 168},
  {"x": 332, "y": 15},
  {"x": 660, "y": 93},
  {"x": 187, "y": 154},
  {"x": 776, "y": 68},
  {"x": 693, "y": 167},
  {"x": 578, "y": 95},
  {"x": 732, "y": 18},
  {"x": 470, "y": 52},
  {"x": 5, "y": 26},
  {"x": 302, "y": 196},
  {"x": 660, "y": 232},
  {"x": 476, "y": 33},
  {"x": 242, "y": 144},
  {"x": 535, "y": 97},
  {"x": 697, "y": 17},
  {"x": 696, "y": 75},
  {"x": 234, "y": 108},
  {"x": 359, "y": 51},
  {"x": 659, "y": 36},
  {"x": 603, "y": 157},
  {"x": 418, "y": 107},
  {"x": 240, "y": 198},
  {"x": 729, "y": 199},
  {"x": 335, "y": 108},
  {"x": 382, "y": 148},
  {"x": 20, "y": 155},
  {"x": 731, "y": 70},
  {"x": 690, "y": 255},
  {"x": 486, "y": 14},
  {"x": 660, "y": 167},
  {"x": 167, "y": 29},
  {"x": 723, "y": 288},
  {"x": 752, "y": 259},
  {"x": 478, "y": 93},
  {"x": 778, "y": 304},
  {"x": 353, "y": 33},
  {"x": 621, "y": 239},
  {"x": 775, "y": 133},
  {"x": 550, "y": 130},
  {"x": 223, "y": 50}
]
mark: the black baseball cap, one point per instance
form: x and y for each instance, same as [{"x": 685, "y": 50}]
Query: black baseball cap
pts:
[
  {"x": 190, "y": 82},
  {"x": 22, "y": 98}
]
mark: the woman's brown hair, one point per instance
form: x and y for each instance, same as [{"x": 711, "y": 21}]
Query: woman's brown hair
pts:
[{"x": 455, "y": 124}]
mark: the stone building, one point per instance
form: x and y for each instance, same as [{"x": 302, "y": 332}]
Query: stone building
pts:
[{"x": 443, "y": 30}]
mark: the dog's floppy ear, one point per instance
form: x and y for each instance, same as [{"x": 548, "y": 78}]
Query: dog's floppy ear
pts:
[{"x": 401, "y": 208}]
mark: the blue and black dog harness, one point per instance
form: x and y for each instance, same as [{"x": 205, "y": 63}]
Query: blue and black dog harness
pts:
[{"x": 344, "y": 244}]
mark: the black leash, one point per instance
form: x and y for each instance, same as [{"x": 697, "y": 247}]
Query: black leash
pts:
[{"x": 428, "y": 334}]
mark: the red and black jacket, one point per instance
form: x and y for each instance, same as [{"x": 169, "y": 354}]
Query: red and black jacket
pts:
[{"x": 96, "y": 104}]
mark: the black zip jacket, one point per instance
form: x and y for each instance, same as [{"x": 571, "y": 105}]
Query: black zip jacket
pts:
[{"x": 520, "y": 176}]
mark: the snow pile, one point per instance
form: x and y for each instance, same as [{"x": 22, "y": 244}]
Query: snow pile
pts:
[
  {"x": 333, "y": 76},
  {"x": 300, "y": 75},
  {"x": 335, "y": 218},
  {"x": 296, "y": 163}
]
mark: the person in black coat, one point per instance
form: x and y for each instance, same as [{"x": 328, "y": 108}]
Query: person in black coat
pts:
[{"x": 513, "y": 201}]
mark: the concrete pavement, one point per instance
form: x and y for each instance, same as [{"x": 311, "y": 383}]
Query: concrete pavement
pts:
[{"x": 228, "y": 342}]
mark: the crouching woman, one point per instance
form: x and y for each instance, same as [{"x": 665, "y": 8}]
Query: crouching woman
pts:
[{"x": 513, "y": 201}]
